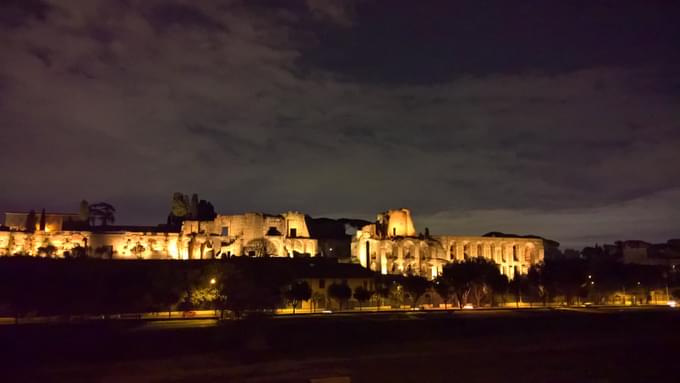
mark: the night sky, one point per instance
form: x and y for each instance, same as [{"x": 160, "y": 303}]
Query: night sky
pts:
[{"x": 560, "y": 119}]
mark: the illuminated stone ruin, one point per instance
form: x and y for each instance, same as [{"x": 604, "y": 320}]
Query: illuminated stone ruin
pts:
[
  {"x": 249, "y": 234},
  {"x": 391, "y": 246}
]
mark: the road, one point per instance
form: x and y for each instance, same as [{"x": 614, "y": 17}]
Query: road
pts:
[{"x": 203, "y": 318}]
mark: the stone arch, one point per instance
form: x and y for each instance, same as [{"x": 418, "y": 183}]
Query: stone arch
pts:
[
  {"x": 496, "y": 252},
  {"x": 408, "y": 248},
  {"x": 452, "y": 251},
  {"x": 297, "y": 246},
  {"x": 260, "y": 247},
  {"x": 530, "y": 254}
]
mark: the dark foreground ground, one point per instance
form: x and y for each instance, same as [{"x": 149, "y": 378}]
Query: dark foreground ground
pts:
[{"x": 583, "y": 345}]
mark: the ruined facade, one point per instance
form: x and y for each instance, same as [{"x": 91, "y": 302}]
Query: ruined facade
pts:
[
  {"x": 53, "y": 221},
  {"x": 391, "y": 246},
  {"x": 250, "y": 234},
  {"x": 99, "y": 244}
]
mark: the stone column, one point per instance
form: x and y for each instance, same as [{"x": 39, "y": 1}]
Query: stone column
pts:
[
  {"x": 400, "y": 257},
  {"x": 383, "y": 262},
  {"x": 365, "y": 250},
  {"x": 416, "y": 257}
]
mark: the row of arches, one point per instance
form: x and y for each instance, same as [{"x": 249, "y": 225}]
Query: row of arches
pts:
[
  {"x": 498, "y": 252},
  {"x": 426, "y": 256}
]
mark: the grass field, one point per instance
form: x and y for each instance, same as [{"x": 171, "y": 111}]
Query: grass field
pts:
[{"x": 581, "y": 345}]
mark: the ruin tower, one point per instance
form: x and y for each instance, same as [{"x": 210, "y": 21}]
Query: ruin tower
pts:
[{"x": 395, "y": 223}]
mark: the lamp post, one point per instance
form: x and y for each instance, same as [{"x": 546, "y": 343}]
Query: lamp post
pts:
[{"x": 212, "y": 284}]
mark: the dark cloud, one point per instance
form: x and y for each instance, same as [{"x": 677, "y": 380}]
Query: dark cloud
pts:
[
  {"x": 437, "y": 41},
  {"x": 518, "y": 118},
  {"x": 15, "y": 13},
  {"x": 166, "y": 15}
]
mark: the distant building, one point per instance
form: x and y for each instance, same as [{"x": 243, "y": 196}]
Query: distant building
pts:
[
  {"x": 53, "y": 221},
  {"x": 334, "y": 236},
  {"x": 250, "y": 234},
  {"x": 391, "y": 245},
  {"x": 644, "y": 253},
  {"x": 320, "y": 273}
]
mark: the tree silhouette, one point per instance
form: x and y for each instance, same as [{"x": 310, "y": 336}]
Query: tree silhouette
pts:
[
  {"x": 471, "y": 276},
  {"x": 518, "y": 286},
  {"x": 362, "y": 295},
  {"x": 31, "y": 221},
  {"x": 193, "y": 206},
  {"x": 138, "y": 250},
  {"x": 443, "y": 289},
  {"x": 247, "y": 288},
  {"x": 498, "y": 284},
  {"x": 43, "y": 220},
  {"x": 317, "y": 298},
  {"x": 459, "y": 278},
  {"x": 104, "y": 252},
  {"x": 296, "y": 292},
  {"x": 84, "y": 211},
  {"x": 206, "y": 211},
  {"x": 179, "y": 209},
  {"x": 78, "y": 252},
  {"x": 104, "y": 212},
  {"x": 415, "y": 286},
  {"x": 48, "y": 250},
  {"x": 340, "y": 292},
  {"x": 383, "y": 290},
  {"x": 260, "y": 247}
]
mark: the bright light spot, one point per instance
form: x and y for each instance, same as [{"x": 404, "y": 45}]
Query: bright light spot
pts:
[
  {"x": 327, "y": 312},
  {"x": 590, "y": 276},
  {"x": 212, "y": 281},
  {"x": 331, "y": 249},
  {"x": 468, "y": 306},
  {"x": 672, "y": 304}
]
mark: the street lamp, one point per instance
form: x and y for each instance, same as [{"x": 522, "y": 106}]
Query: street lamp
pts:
[{"x": 212, "y": 281}]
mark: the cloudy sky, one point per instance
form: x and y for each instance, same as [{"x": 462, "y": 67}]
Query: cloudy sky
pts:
[{"x": 555, "y": 118}]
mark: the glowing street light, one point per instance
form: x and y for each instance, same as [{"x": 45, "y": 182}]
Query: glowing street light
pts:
[{"x": 212, "y": 281}]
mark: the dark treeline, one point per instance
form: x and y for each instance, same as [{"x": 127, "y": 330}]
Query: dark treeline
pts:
[
  {"x": 69, "y": 287},
  {"x": 566, "y": 281},
  {"x": 84, "y": 287}
]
